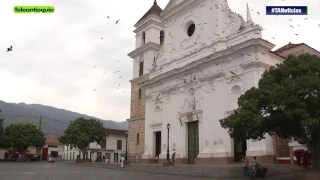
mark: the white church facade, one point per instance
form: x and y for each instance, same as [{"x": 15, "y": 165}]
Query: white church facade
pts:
[{"x": 192, "y": 61}]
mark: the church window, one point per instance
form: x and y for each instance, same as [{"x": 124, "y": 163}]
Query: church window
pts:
[
  {"x": 141, "y": 66},
  {"x": 143, "y": 37},
  {"x": 140, "y": 93},
  {"x": 161, "y": 37},
  {"x": 138, "y": 139},
  {"x": 191, "y": 29}
]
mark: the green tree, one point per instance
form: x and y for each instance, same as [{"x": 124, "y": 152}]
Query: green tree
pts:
[
  {"x": 81, "y": 132},
  {"x": 2, "y": 137},
  {"x": 22, "y": 136},
  {"x": 286, "y": 103}
]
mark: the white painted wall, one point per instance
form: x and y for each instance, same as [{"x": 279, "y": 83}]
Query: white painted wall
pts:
[
  {"x": 111, "y": 147},
  {"x": 217, "y": 104}
]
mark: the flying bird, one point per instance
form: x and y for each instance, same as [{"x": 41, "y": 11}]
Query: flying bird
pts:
[
  {"x": 94, "y": 89},
  {"x": 117, "y": 71},
  {"x": 291, "y": 26},
  {"x": 9, "y": 49},
  {"x": 319, "y": 25},
  {"x": 118, "y": 86},
  {"x": 258, "y": 13},
  {"x": 94, "y": 65},
  {"x": 117, "y": 21},
  {"x": 105, "y": 72},
  {"x": 290, "y": 19},
  {"x": 108, "y": 17},
  {"x": 305, "y": 18},
  {"x": 233, "y": 73},
  {"x": 296, "y": 34},
  {"x": 298, "y": 25},
  {"x": 273, "y": 38},
  {"x": 101, "y": 37},
  {"x": 120, "y": 77}
]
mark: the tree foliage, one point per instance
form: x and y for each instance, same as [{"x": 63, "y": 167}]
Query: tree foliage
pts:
[
  {"x": 81, "y": 132},
  {"x": 3, "y": 143},
  {"x": 22, "y": 136},
  {"x": 286, "y": 102}
]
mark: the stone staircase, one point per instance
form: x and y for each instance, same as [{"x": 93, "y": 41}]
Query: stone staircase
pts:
[{"x": 275, "y": 172}]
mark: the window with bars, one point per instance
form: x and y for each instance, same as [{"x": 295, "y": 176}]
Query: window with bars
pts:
[
  {"x": 119, "y": 144},
  {"x": 103, "y": 144},
  {"x": 283, "y": 147}
]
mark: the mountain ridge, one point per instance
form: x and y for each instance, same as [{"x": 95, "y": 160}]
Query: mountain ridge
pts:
[{"x": 53, "y": 120}]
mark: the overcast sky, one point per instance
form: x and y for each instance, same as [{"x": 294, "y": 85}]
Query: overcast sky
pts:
[{"x": 54, "y": 54}]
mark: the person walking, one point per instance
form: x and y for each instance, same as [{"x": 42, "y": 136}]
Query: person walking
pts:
[
  {"x": 245, "y": 164},
  {"x": 122, "y": 161}
]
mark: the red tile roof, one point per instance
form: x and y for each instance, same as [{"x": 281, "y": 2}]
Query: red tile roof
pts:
[
  {"x": 116, "y": 131},
  {"x": 288, "y": 46},
  {"x": 51, "y": 140}
]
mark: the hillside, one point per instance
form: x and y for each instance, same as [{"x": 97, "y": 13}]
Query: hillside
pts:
[{"x": 53, "y": 120}]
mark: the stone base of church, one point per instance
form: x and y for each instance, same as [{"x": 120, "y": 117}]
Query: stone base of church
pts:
[
  {"x": 148, "y": 161},
  {"x": 269, "y": 159},
  {"x": 214, "y": 161},
  {"x": 211, "y": 161}
]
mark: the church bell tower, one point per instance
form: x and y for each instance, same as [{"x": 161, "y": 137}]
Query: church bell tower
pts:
[{"x": 149, "y": 40}]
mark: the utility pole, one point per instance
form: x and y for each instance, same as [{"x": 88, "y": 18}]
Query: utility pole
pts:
[{"x": 40, "y": 121}]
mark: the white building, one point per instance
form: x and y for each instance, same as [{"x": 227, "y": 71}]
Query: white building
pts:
[
  {"x": 113, "y": 147},
  {"x": 198, "y": 57}
]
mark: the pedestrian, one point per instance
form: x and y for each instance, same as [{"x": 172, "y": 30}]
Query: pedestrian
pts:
[
  {"x": 122, "y": 161},
  {"x": 245, "y": 163},
  {"x": 255, "y": 163},
  {"x": 104, "y": 158}
]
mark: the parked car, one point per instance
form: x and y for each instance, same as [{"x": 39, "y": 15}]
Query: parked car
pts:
[{"x": 34, "y": 157}]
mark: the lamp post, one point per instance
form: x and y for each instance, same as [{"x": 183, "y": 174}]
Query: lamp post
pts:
[
  {"x": 168, "y": 127},
  {"x": 126, "y": 158}
]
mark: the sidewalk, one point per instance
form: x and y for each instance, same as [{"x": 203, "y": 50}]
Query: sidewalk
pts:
[{"x": 233, "y": 171}]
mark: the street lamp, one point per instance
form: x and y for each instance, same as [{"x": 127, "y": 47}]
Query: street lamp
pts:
[
  {"x": 168, "y": 127},
  {"x": 126, "y": 158}
]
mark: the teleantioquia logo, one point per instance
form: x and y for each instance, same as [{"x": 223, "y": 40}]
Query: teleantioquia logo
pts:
[{"x": 33, "y": 9}]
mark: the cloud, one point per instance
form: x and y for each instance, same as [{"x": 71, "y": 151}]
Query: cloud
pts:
[{"x": 54, "y": 54}]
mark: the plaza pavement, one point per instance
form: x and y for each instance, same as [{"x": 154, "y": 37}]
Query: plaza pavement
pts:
[{"x": 275, "y": 172}]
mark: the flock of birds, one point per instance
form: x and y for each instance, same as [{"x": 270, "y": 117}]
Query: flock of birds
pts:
[{"x": 234, "y": 75}]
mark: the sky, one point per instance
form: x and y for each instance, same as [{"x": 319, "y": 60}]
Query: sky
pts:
[{"x": 53, "y": 57}]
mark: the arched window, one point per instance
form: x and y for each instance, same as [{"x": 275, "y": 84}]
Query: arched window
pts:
[
  {"x": 161, "y": 37},
  {"x": 141, "y": 66},
  {"x": 236, "y": 89},
  {"x": 143, "y": 37},
  {"x": 138, "y": 139}
]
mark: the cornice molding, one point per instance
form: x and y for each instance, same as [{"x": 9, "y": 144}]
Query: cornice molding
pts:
[
  {"x": 250, "y": 64},
  {"x": 143, "y": 48},
  {"x": 140, "y": 79},
  {"x": 212, "y": 57},
  {"x": 136, "y": 119},
  {"x": 150, "y": 22},
  {"x": 191, "y": 116}
]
